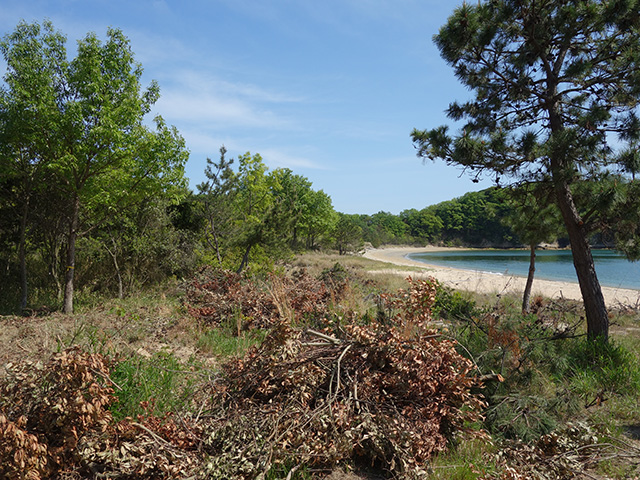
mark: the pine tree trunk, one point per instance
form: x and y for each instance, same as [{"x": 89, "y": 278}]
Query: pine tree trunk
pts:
[
  {"x": 527, "y": 289},
  {"x": 217, "y": 243},
  {"x": 594, "y": 305},
  {"x": 245, "y": 260},
  {"x": 71, "y": 258},
  {"x": 561, "y": 169}
]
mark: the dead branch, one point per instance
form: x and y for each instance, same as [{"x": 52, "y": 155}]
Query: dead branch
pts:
[{"x": 328, "y": 338}]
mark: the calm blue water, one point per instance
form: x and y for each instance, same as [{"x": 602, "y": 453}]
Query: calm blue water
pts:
[{"x": 613, "y": 269}]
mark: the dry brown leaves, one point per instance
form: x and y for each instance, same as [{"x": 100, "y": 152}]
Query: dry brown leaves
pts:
[
  {"x": 218, "y": 296},
  {"x": 54, "y": 418},
  {"x": 570, "y": 452},
  {"x": 215, "y": 296},
  {"x": 45, "y": 409},
  {"x": 384, "y": 395}
]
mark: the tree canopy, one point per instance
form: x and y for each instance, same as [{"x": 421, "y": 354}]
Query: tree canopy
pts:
[
  {"x": 79, "y": 124},
  {"x": 555, "y": 90},
  {"x": 254, "y": 211}
]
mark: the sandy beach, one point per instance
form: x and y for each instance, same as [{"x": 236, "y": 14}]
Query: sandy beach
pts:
[{"x": 484, "y": 282}]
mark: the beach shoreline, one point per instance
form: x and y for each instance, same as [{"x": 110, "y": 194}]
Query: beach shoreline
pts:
[{"x": 491, "y": 283}]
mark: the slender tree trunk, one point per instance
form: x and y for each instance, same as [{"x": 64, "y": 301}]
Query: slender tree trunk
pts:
[
  {"x": 214, "y": 232},
  {"x": 114, "y": 257},
  {"x": 54, "y": 246},
  {"x": 532, "y": 270},
  {"x": 71, "y": 257},
  {"x": 23, "y": 254},
  {"x": 594, "y": 304},
  {"x": 245, "y": 259}
]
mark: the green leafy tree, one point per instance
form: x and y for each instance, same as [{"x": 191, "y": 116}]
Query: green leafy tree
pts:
[
  {"x": 305, "y": 214},
  {"x": 534, "y": 220},
  {"x": 552, "y": 81},
  {"x": 348, "y": 233},
  {"x": 391, "y": 227},
  {"x": 424, "y": 225},
  {"x": 143, "y": 244},
  {"x": 452, "y": 217},
  {"x": 27, "y": 102},
  {"x": 254, "y": 206},
  {"x": 319, "y": 219},
  {"x": 88, "y": 114},
  {"x": 259, "y": 213},
  {"x": 292, "y": 198}
]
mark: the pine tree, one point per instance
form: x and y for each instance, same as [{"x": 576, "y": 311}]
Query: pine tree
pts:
[{"x": 554, "y": 82}]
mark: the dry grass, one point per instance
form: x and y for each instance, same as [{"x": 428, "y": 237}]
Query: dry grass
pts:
[{"x": 142, "y": 325}]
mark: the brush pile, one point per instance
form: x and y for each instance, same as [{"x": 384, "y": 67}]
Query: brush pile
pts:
[
  {"x": 217, "y": 296},
  {"x": 387, "y": 396}
]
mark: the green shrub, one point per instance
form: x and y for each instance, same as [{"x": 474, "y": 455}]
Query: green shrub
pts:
[
  {"x": 453, "y": 305},
  {"x": 151, "y": 386}
]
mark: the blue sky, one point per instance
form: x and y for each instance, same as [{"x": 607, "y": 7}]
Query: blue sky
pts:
[{"x": 330, "y": 89}]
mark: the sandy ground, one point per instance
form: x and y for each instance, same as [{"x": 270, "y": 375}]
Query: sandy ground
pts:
[{"x": 484, "y": 282}]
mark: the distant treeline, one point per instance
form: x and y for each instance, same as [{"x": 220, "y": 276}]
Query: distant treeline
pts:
[
  {"x": 475, "y": 219},
  {"x": 508, "y": 217}
]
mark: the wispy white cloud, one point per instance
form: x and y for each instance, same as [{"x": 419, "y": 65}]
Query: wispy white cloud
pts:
[
  {"x": 205, "y": 99},
  {"x": 204, "y": 144},
  {"x": 211, "y": 110},
  {"x": 202, "y": 81},
  {"x": 279, "y": 159}
]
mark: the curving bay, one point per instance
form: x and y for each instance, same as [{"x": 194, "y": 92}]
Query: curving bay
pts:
[{"x": 613, "y": 269}]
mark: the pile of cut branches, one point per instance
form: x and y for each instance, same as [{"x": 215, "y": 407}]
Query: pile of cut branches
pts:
[
  {"x": 217, "y": 296},
  {"x": 55, "y": 421},
  {"x": 387, "y": 396},
  {"x": 567, "y": 453}
]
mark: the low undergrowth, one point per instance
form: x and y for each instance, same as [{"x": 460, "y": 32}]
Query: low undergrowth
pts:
[
  {"x": 321, "y": 367},
  {"x": 547, "y": 388}
]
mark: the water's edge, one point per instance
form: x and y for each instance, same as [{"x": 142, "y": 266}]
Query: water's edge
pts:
[{"x": 612, "y": 268}]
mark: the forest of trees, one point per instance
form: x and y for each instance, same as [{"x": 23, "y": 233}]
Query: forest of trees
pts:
[{"x": 93, "y": 199}]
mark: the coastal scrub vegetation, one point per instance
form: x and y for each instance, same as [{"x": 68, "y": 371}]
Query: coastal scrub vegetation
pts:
[
  {"x": 332, "y": 370},
  {"x": 226, "y": 333}
]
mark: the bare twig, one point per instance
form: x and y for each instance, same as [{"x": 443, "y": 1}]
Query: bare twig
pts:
[
  {"x": 156, "y": 437},
  {"x": 324, "y": 336},
  {"x": 106, "y": 377},
  {"x": 292, "y": 471},
  {"x": 338, "y": 365}
]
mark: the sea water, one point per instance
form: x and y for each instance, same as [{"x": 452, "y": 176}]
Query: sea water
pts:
[{"x": 612, "y": 268}]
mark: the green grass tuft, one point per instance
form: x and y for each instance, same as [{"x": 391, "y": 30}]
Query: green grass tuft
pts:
[{"x": 162, "y": 380}]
